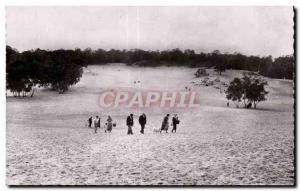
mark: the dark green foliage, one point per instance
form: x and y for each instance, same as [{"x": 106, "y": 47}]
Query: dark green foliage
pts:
[
  {"x": 282, "y": 67},
  {"x": 58, "y": 69},
  {"x": 254, "y": 88},
  {"x": 219, "y": 61},
  {"x": 61, "y": 68},
  {"x": 200, "y": 73},
  {"x": 220, "y": 68},
  {"x": 235, "y": 91},
  {"x": 176, "y": 57},
  {"x": 18, "y": 77},
  {"x": 65, "y": 69},
  {"x": 250, "y": 89}
]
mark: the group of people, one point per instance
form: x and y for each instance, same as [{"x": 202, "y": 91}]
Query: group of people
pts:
[
  {"x": 165, "y": 123},
  {"x": 143, "y": 121},
  {"x": 130, "y": 123},
  {"x": 108, "y": 124}
]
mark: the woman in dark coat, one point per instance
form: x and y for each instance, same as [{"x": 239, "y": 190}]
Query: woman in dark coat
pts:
[
  {"x": 165, "y": 124},
  {"x": 109, "y": 124}
]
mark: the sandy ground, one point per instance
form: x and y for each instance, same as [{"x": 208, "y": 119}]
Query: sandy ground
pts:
[{"x": 48, "y": 143}]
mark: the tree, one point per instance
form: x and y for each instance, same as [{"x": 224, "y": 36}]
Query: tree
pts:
[
  {"x": 65, "y": 70},
  {"x": 218, "y": 61},
  {"x": 234, "y": 91},
  {"x": 12, "y": 55},
  {"x": 265, "y": 65},
  {"x": 254, "y": 88},
  {"x": 19, "y": 79},
  {"x": 250, "y": 88},
  {"x": 58, "y": 69},
  {"x": 220, "y": 68},
  {"x": 283, "y": 67}
]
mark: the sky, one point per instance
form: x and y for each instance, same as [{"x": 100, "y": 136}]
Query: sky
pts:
[{"x": 258, "y": 31}]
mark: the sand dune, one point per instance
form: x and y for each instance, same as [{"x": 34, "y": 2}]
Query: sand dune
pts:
[{"x": 48, "y": 143}]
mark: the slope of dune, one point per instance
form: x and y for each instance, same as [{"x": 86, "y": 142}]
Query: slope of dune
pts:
[{"x": 48, "y": 142}]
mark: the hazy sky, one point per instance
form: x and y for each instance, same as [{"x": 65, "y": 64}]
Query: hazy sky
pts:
[{"x": 249, "y": 30}]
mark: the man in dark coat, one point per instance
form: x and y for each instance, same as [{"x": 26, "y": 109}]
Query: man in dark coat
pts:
[
  {"x": 142, "y": 121},
  {"x": 129, "y": 123},
  {"x": 97, "y": 123},
  {"x": 175, "y": 122},
  {"x": 90, "y": 121}
]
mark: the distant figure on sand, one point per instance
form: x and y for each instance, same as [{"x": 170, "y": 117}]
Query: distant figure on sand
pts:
[
  {"x": 175, "y": 122},
  {"x": 165, "y": 124},
  {"x": 109, "y": 124},
  {"x": 142, "y": 121},
  {"x": 90, "y": 121},
  {"x": 97, "y": 123},
  {"x": 129, "y": 123}
]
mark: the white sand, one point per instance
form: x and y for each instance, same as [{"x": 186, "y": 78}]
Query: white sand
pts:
[{"x": 47, "y": 142}]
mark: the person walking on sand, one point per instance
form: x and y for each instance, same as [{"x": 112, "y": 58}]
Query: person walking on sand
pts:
[
  {"x": 165, "y": 124},
  {"x": 175, "y": 122},
  {"x": 90, "y": 121},
  {"x": 129, "y": 123},
  {"x": 97, "y": 123},
  {"x": 109, "y": 124},
  {"x": 142, "y": 121}
]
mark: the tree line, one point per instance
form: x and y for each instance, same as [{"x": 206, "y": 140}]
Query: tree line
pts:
[
  {"x": 281, "y": 67},
  {"x": 58, "y": 69}
]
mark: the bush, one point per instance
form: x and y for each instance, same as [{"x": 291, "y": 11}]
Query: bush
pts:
[{"x": 200, "y": 73}]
